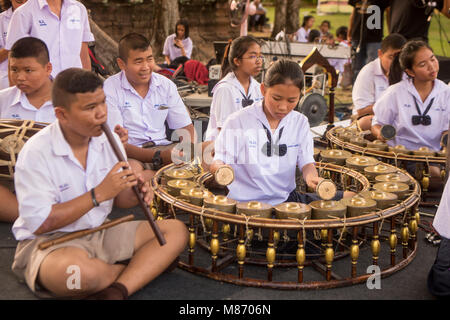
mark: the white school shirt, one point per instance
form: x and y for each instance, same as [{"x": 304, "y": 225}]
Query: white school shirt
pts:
[
  {"x": 441, "y": 220},
  {"x": 174, "y": 52},
  {"x": 396, "y": 107},
  {"x": 227, "y": 98},
  {"x": 144, "y": 117},
  {"x": 302, "y": 35},
  {"x": 5, "y": 17},
  {"x": 63, "y": 37},
  {"x": 369, "y": 85},
  {"x": 257, "y": 176},
  {"x": 47, "y": 173},
  {"x": 14, "y": 104}
]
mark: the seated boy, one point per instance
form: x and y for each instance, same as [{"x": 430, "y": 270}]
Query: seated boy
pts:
[
  {"x": 30, "y": 70},
  {"x": 372, "y": 80},
  {"x": 142, "y": 101},
  {"x": 67, "y": 179}
]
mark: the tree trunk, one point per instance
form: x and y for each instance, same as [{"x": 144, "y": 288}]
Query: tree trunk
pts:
[
  {"x": 106, "y": 48},
  {"x": 280, "y": 17},
  {"x": 166, "y": 15},
  {"x": 292, "y": 16}
]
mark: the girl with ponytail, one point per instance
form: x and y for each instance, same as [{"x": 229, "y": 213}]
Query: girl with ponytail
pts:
[{"x": 237, "y": 89}]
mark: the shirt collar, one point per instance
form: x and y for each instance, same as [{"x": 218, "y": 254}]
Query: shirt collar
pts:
[
  {"x": 233, "y": 80},
  {"x": 43, "y": 3},
  {"x": 21, "y": 98},
  {"x": 412, "y": 90},
  {"x": 62, "y": 148},
  {"x": 378, "y": 70}
]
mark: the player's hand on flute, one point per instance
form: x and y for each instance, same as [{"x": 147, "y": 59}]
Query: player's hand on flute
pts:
[
  {"x": 145, "y": 189},
  {"x": 115, "y": 182}
]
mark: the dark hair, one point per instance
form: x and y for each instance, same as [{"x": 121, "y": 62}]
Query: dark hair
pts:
[
  {"x": 305, "y": 20},
  {"x": 282, "y": 71},
  {"x": 313, "y": 35},
  {"x": 132, "y": 41},
  {"x": 185, "y": 25},
  {"x": 342, "y": 32},
  {"x": 236, "y": 49},
  {"x": 327, "y": 22},
  {"x": 72, "y": 81},
  {"x": 5, "y": 4},
  {"x": 393, "y": 41},
  {"x": 30, "y": 47},
  {"x": 405, "y": 60}
]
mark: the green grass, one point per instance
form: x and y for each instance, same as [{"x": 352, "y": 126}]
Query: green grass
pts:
[{"x": 342, "y": 19}]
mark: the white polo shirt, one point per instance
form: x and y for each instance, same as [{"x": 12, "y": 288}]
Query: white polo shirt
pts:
[
  {"x": 5, "y": 17},
  {"x": 302, "y": 35},
  {"x": 442, "y": 218},
  {"x": 258, "y": 176},
  {"x": 14, "y": 104},
  {"x": 144, "y": 117},
  {"x": 47, "y": 173},
  {"x": 396, "y": 107},
  {"x": 174, "y": 52},
  {"x": 369, "y": 85},
  {"x": 63, "y": 36},
  {"x": 228, "y": 94}
]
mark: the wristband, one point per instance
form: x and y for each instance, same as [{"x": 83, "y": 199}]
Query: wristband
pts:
[{"x": 94, "y": 200}]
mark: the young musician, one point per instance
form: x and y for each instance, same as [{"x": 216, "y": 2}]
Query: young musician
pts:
[
  {"x": 30, "y": 70},
  {"x": 372, "y": 81},
  {"x": 267, "y": 140},
  {"x": 237, "y": 89},
  {"x": 418, "y": 106},
  {"x": 67, "y": 179},
  {"x": 142, "y": 101}
]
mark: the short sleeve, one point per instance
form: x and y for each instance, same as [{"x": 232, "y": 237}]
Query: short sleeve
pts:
[
  {"x": 88, "y": 36},
  {"x": 112, "y": 103},
  {"x": 223, "y": 104},
  {"x": 385, "y": 109},
  {"x": 178, "y": 116},
  {"x": 19, "y": 27},
  {"x": 36, "y": 192},
  {"x": 364, "y": 89}
]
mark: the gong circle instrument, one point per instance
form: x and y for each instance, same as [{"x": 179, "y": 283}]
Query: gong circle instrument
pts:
[
  {"x": 251, "y": 243},
  {"x": 418, "y": 162},
  {"x": 13, "y": 135}
]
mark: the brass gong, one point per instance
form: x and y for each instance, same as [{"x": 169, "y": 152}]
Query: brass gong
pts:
[
  {"x": 393, "y": 177},
  {"x": 384, "y": 199},
  {"x": 195, "y": 195},
  {"x": 255, "y": 208},
  {"x": 398, "y": 188},
  {"x": 221, "y": 203},
  {"x": 424, "y": 151},
  {"x": 335, "y": 156},
  {"x": 359, "y": 141},
  {"x": 372, "y": 171},
  {"x": 357, "y": 205},
  {"x": 178, "y": 174},
  {"x": 294, "y": 210},
  {"x": 360, "y": 162},
  {"x": 377, "y": 145},
  {"x": 399, "y": 149},
  {"x": 175, "y": 186},
  {"x": 327, "y": 209}
]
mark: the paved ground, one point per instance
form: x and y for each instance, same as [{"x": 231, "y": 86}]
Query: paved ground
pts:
[{"x": 409, "y": 283}]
